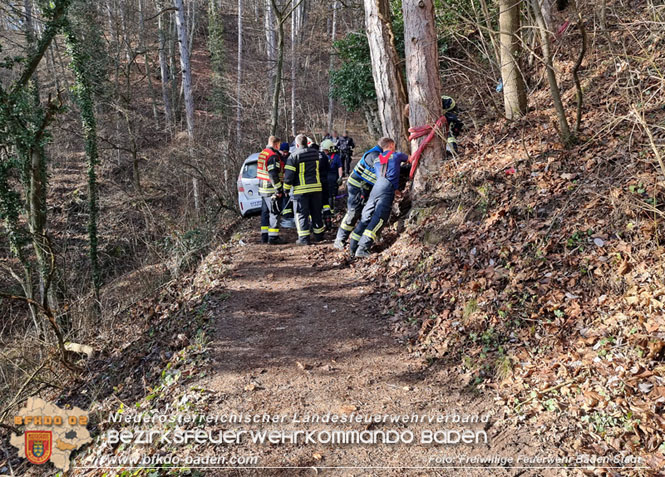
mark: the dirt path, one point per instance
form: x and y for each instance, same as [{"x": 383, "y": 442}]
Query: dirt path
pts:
[{"x": 299, "y": 334}]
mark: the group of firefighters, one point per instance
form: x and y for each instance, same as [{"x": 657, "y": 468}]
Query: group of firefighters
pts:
[
  {"x": 308, "y": 178},
  {"x": 305, "y": 182}
]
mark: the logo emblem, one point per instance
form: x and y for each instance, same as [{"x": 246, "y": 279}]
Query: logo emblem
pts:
[{"x": 38, "y": 446}]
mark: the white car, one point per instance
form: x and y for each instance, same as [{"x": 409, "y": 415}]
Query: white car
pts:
[{"x": 249, "y": 199}]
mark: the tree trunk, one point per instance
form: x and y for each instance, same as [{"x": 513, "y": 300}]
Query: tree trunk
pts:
[
  {"x": 271, "y": 41},
  {"x": 388, "y": 81},
  {"x": 372, "y": 120},
  {"x": 175, "y": 91},
  {"x": 331, "y": 65},
  {"x": 36, "y": 203},
  {"x": 84, "y": 98},
  {"x": 164, "y": 70},
  {"x": 146, "y": 58},
  {"x": 294, "y": 36},
  {"x": 280, "y": 64},
  {"x": 424, "y": 85},
  {"x": 564, "y": 130},
  {"x": 238, "y": 99},
  {"x": 187, "y": 87},
  {"x": 514, "y": 89},
  {"x": 191, "y": 23}
]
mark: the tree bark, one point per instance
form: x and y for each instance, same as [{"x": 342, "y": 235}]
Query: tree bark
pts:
[
  {"x": 84, "y": 98},
  {"x": 514, "y": 89},
  {"x": 424, "y": 85},
  {"x": 238, "y": 99},
  {"x": 564, "y": 130},
  {"x": 271, "y": 41},
  {"x": 187, "y": 87},
  {"x": 388, "y": 81},
  {"x": 294, "y": 36},
  {"x": 278, "y": 73}
]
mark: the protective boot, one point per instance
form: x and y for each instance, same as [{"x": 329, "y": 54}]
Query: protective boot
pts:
[
  {"x": 276, "y": 241},
  {"x": 362, "y": 252}
]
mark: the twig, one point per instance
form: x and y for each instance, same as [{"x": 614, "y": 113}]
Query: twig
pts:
[{"x": 16, "y": 397}]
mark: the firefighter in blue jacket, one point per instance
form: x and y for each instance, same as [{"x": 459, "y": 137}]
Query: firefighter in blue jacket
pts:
[
  {"x": 302, "y": 177},
  {"x": 269, "y": 171},
  {"x": 376, "y": 212},
  {"x": 358, "y": 185}
]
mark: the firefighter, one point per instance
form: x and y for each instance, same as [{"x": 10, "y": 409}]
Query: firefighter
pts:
[
  {"x": 269, "y": 171},
  {"x": 287, "y": 206},
  {"x": 302, "y": 177},
  {"x": 335, "y": 171},
  {"x": 376, "y": 212},
  {"x": 358, "y": 185},
  {"x": 345, "y": 146},
  {"x": 455, "y": 126}
]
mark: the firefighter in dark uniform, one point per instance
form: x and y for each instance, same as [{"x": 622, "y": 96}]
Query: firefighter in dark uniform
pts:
[
  {"x": 335, "y": 171},
  {"x": 455, "y": 126},
  {"x": 302, "y": 177},
  {"x": 346, "y": 146},
  {"x": 376, "y": 212},
  {"x": 358, "y": 186},
  {"x": 269, "y": 171},
  {"x": 287, "y": 211}
]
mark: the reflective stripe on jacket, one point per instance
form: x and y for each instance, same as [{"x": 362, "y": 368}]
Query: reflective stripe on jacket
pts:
[
  {"x": 269, "y": 171},
  {"x": 364, "y": 170},
  {"x": 303, "y": 171}
]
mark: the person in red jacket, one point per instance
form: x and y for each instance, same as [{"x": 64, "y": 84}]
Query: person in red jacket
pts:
[{"x": 269, "y": 171}]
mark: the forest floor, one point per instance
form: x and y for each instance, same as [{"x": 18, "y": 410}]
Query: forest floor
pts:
[
  {"x": 296, "y": 331},
  {"x": 299, "y": 335},
  {"x": 291, "y": 332}
]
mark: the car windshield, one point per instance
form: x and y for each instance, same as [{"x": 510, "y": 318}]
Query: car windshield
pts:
[{"x": 249, "y": 170}]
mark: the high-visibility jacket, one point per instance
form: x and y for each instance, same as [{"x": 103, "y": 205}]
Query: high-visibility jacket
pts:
[
  {"x": 269, "y": 171},
  {"x": 363, "y": 174},
  {"x": 303, "y": 171}
]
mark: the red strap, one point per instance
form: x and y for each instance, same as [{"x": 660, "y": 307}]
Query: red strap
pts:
[
  {"x": 385, "y": 157},
  {"x": 421, "y": 131}
]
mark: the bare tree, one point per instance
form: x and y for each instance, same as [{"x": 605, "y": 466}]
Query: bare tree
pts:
[
  {"x": 282, "y": 13},
  {"x": 164, "y": 69},
  {"x": 564, "y": 130},
  {"x": 187, "y": 86},
  {"x": 239, "y": 104},
  {"x": 422, "y": 66},
  {"x": 388, "y": 81},
  {"x": 146, "y": 58},
  {"x": 332, "y": 64},
  {"x": 514, "y": 89}
]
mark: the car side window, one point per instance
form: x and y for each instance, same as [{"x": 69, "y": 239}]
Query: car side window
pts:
[{"x": 249, "y": 170}]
